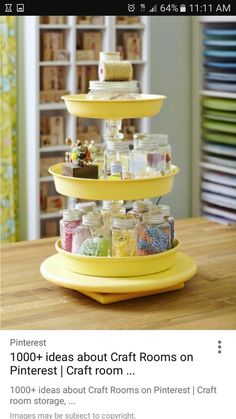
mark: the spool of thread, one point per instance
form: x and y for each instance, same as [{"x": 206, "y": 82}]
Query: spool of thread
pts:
[
  {"x": 109, "y": 56},
  {"x": 115, "y": 71}
]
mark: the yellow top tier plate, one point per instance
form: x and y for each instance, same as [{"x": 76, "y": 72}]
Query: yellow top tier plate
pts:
[
  {"x": 127, "y": 189},
  {"x": 143, "y": 107}
]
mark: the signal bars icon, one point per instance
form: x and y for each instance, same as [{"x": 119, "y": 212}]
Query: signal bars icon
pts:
[{"x": 153, "y": 9}]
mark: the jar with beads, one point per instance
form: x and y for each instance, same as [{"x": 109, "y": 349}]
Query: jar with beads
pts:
[
  {"x": 91, "y": 238},
  {"x": 72, "y": 218},
  {"x": 153, "y": 234},
  {"x": 124, "y": 237}
]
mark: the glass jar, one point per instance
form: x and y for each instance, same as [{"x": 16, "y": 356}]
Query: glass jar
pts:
[
  {"x": 166, "y": 150},
  {"x": 112, "y": 90},
  {"x": 72, "y": 218},
  {"x": 165, "y": 209},
  {"x": 153, "y": 234},
  {"x": 140, "y": 208},
  {"x": 86, "y": 207},
  {"x": 147, "y": 158},
  {"x": 117, "y": 160},
  {"x": 124, "y": 237},
  {"x": 91, "y": 238},
  {"x": 111, "y": 209}
]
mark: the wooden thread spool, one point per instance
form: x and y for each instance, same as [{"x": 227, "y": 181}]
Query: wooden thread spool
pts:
[{"x": 115, "y": 70}]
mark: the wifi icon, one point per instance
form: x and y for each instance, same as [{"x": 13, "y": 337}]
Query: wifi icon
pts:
[{"x": 153, "y": 9}]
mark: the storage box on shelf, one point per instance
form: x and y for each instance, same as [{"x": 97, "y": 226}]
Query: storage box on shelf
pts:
[{"x": 133, "y": 276}]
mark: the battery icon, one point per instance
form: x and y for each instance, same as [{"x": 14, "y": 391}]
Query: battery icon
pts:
[{"x": 182, "y": 8}]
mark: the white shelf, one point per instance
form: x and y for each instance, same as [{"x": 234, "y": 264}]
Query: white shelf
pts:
[
  {"x": 46, "y": 179},
  {"x": 51, "y": 106},
  {"x": 54, "y": 63},
  {"x": 32, "y": 29},
  {"x": 215, "y": 93},
  {"x": 55, "y": 26},
  {"x": 137, "y": 26},
  {"x": 48, "y": 215},
  {"x": 94, "y": 62},
  {"x": 50, "y": 149},
  {"x": 82, "y": 27}
]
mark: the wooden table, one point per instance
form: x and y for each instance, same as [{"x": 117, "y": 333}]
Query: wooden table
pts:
[{"x": 208, "y": 301}]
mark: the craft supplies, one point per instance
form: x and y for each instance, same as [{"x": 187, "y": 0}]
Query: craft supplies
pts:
[
  {"x": 112, "y": 90},
  {"x": 147, "y": 157},
  {"x": 117, "y": 160},
  {"x": 165, "y": 209},
  {"x": 124, "y": 237},
  {"x": 166, "y": 150},
  {"x": 153, "y": 234},
  {"x": 115, "y": 70},
  {"x": 140, "y": 208},
  {"x": 71, "y": 220},
  {"x": 110, "y": 210},
  {"x": 78, "y": 162},
  {"x": 91, "y": 238}
]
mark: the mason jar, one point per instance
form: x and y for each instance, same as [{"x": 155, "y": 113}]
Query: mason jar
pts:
[
  {"x": 166, "y": 150},
  {"x": 124, "y": 237},
  {"x": 72, "y": 218},
  {"x": 91, "y": 238},
  {"x": 110, "y": 209},
  {"x": 140, "y": 207},
  {"x": 147, "y": 157},
  {"x": 165, "y": 209},
  {"x": 117, "y": 160},
  {"x": 153, "y": 234},
  {"x": 112, "y": 90}
]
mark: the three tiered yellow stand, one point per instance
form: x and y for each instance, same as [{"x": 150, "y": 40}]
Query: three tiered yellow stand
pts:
[{"x": 113, "y": 279}]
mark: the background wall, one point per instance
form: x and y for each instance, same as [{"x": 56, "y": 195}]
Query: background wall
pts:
[{"x": 171, "y": 71}]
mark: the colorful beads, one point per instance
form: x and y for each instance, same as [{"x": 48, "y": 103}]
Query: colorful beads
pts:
[{"x": 152, "y": 240}]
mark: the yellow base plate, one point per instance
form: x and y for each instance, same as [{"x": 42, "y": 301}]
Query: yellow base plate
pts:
[
  {"x": 116, "y": 298},
  {"x": 98, "y": 189},
  {"x": 144, "y": 106},
  {"x": 183, "y": 270},
  {"x": 117, "y": 266}
]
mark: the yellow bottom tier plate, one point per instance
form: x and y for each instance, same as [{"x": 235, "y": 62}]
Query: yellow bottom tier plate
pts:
[{"x": 171, "y": 279}]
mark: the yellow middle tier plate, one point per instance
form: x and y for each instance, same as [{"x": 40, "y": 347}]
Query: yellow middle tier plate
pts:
[
  {"x": 144, "y": 106},
  {"x": 97, "y": 189},
  {"x": 117, "y": 266},
  {"x": 183, "y": 270}
]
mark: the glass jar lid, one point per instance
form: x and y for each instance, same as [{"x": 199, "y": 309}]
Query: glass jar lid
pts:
[
  {"x": 112, "y": 205},
  {"x": 165, "y": 209},
  {"x": 163, "y": 139},
  {"x": 110, "y": 86},
  {"x": 92, "y": 219},
  {"x": 154, "y": 217},
  {"x": 72, "y": 214},
  {"x": 118, "y": 145},
  {"x": 142, "y": 205},
  {"x": 122, "y": 223},
  {"x": 86, "y": 207},
  {"x": 146, "y": 143}
]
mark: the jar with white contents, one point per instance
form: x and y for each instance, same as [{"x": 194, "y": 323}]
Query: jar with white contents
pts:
[
  {"x": 147, "y": 157},
  {"x": 91, "y": 238}
]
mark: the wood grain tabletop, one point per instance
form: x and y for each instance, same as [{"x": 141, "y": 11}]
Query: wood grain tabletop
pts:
[{"x": 208, "y": 300}]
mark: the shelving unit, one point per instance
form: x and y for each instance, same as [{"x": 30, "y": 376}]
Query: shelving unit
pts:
[
  {"x": 214, "y": 154},
  {"x": 33, "y": 65}
]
